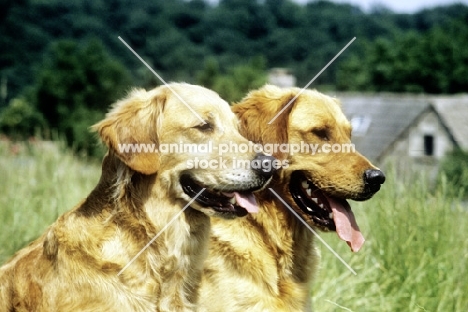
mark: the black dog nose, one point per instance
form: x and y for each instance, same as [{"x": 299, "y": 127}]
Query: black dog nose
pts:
[
  {"x": 265, "y": 165},
  {"x": 374, "y": 177}
]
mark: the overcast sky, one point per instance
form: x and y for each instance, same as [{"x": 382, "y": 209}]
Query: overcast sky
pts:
[{"x": 398, "y": 6}]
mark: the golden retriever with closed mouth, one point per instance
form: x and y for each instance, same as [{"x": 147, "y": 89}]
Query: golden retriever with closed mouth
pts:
[
  {"x": 266, "y": 262},
  {"x": 81, "y": 262}
]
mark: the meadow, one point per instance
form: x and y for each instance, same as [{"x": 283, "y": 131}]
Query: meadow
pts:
[{"x": 415, "y": 257}]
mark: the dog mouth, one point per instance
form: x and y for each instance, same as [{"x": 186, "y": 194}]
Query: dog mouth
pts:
[
  {"x": 227, "y": 202},
  {"x": 325, "y": 211}
]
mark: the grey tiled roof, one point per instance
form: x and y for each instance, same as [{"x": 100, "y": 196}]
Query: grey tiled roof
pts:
[
  {"x": 390, "y": 115},
  {"x": 454, "y": 113}
]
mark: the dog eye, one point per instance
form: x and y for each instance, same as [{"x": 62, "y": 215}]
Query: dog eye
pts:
[
  {"x": 321, "y": 133},
  {"x": 205, "y": 127}
]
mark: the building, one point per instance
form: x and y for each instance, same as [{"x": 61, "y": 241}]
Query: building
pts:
[
  {"x": 413, "y": 132},
  {"x": 281, "y": 77}
]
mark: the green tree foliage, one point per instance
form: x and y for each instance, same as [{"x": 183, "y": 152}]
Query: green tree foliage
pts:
[
  {"x": 75, "y": 87},
  {"x": 45, "y": 47},
  {"x": 176, "y": 36},
  {"x": 234, "y": 84},
  {"x": 434, "y": 62},
  {"x": 20, "y": 119}
]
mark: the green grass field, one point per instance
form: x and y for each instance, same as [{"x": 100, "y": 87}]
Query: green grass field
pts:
[
  {"x": 415, "y": 257},
  {"x": 37, "y": 184}
]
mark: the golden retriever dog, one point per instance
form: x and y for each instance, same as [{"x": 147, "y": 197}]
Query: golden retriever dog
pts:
[
  {"x": 101, "y": 256},
  {"x": 266, "y": 262}
]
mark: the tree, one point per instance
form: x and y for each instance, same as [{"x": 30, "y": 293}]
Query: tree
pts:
[
  {"x": 176, "y": 36},
  {"x": 75, "y": 88},
  {"x": 20, "y": 119},
  {"x": 432, "y": 62},
  {"x": 207, "y": 77},
  {"x": 236, "y": 81}
]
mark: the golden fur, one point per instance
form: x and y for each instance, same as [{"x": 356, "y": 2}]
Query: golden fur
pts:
[
  {"x": 267, "y": 261},
  {"x": 75, "y": 264}
]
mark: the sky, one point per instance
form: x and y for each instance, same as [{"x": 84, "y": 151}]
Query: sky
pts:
[{"x": 397, "y": 6}]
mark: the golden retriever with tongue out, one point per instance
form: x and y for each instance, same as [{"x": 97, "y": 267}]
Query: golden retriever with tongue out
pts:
[
  {"x": 344, "y": 223},
  {"x": 138, "y": 241},
  {"x": 266, "y": 261}
]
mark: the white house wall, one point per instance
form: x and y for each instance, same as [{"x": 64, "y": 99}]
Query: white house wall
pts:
[
  {"x": 406, "y": 154},
  {"x": 428, "y": 124}
]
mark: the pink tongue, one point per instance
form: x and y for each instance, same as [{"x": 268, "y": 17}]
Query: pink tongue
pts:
[
  {"x": 346, "y": 226},
  {"x": 246, "y": 201}
]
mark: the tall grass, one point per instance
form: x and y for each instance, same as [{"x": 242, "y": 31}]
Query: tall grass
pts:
[
  {"x": 415, "y": 257},
  {"x": 38, "y": 182}
]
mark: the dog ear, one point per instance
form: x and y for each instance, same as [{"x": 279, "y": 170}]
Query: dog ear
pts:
[
  {"x": 131, "y": 128},
  {"x": 257, "y": 111}
]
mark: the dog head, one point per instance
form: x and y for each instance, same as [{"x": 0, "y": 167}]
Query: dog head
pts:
[
  {"x": 323, "y": 168},
  {"x": 177, "y": 132}
]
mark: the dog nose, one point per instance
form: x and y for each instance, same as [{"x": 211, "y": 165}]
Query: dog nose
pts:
[
  {"x": 374, "y": 177},
  {"x": 265, "y": 165}
]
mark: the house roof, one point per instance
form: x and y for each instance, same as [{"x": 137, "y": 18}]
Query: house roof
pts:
[
  {"x": 389, "y": 115},
  {"x": 379, "y": 119},
  {"x": 453, "y": 111}
]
